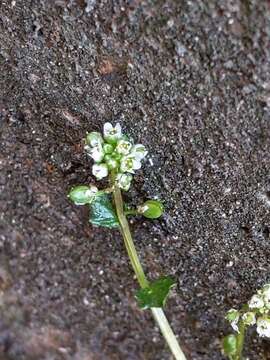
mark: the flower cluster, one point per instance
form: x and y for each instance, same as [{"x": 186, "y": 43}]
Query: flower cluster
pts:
[
  {"x": 114, "y": 152},
  {"x": 257, "y": 311}
]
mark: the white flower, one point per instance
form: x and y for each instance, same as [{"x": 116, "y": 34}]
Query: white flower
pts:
[
  {"x": 94, "y": 138},
  {"x": 112, "y": 134},
  {"x": 124, "y": 181},
  {"x": 233, "y": 317},
  {"x": 263, "y": 327},
  {"x": 265, "y": 293},
  {"x": 129, "y": 164},
  {"x": 123, "y": 147},
  {"x": 139, "y": 151},
  {"x": 256, "y": 302},
  {"x": 96, "y": 153},
  {"x": 249, "y": 318},
  {"x": 100, "y": 171}
]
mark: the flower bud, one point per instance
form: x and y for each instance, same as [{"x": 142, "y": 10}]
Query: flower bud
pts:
[
  {"x": 108, "y": 148},
  {"x": 123, "y": 147},
  {"x": 124, "y": 181},
  {"x": 229, "y": 345},
  {"x": 151, "y": 209},
  {"x": 116, "y": 156},
  {"x": 82, "y": 194},
  {"x": 112, "y": 164},
  {"x": 94, "y": 138}
]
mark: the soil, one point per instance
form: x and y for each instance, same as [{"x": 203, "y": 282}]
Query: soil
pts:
[{"x": 190, "y": 80}]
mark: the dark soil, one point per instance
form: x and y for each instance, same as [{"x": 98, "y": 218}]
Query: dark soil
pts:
[{"x": 189, "y": 79}]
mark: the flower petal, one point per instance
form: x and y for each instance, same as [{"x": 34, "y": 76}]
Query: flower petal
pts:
[
  {"x": 139, "y": 151},
  {"x": 256, "y": 302},
  {"x": 97, "y": 153},
  {"x": 118, "y": 130},
  {"x": 136, "y": 164},
  {"x": 107, "y": 128}
]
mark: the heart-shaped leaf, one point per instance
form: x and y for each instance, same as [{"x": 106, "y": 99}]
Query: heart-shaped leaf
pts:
[
  {"x": 156, "y": 293},
  {"x": 102, "y": 212}
]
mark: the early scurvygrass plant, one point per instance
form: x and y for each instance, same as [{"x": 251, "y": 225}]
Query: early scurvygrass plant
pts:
[
  {"x": 255, "y": 312},
  {"x": 117, "y": 157}
]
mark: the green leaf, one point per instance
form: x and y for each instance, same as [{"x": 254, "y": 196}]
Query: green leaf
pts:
[
  {"x": 102, "y": 212},
  {"x": 155, "y": 295}
]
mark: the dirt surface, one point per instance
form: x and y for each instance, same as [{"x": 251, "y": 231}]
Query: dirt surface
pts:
[{"x": 189, "y": 79}]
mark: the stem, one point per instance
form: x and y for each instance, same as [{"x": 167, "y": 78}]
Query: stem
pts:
[
  {"x": 131, "y": 212},
  {"x": 240, "y": 341},
  {"x": 158, "y": 313}
]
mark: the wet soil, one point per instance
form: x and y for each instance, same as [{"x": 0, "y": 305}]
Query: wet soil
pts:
[{"x": 189, "y": 79}]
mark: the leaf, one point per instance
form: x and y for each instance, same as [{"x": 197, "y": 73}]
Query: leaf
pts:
[
  {"x": 102, "y": 212},
  {"x": 155, "y": 295}
]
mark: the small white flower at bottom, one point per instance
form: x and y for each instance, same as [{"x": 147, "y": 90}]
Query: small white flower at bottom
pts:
[
  {"x": 256, "y": 302},
  {"x": 100, "y": 171},
  {"x": 263, "y": 327},
  {"x": 124, "y": 181},
  {"x": 129, "y": 164}
]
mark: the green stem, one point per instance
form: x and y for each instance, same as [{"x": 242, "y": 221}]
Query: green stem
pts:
[
  {"x": 131, "y": 212},
  {"x": 158, "y": 313},
  {"x": 240, "y": 341}
]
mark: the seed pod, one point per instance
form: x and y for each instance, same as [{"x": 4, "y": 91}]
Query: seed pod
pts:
[
  {"x": 229, "y": 345},
  {"x": 151, "y": 209},
  {"x": 82, "y": 194}
]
